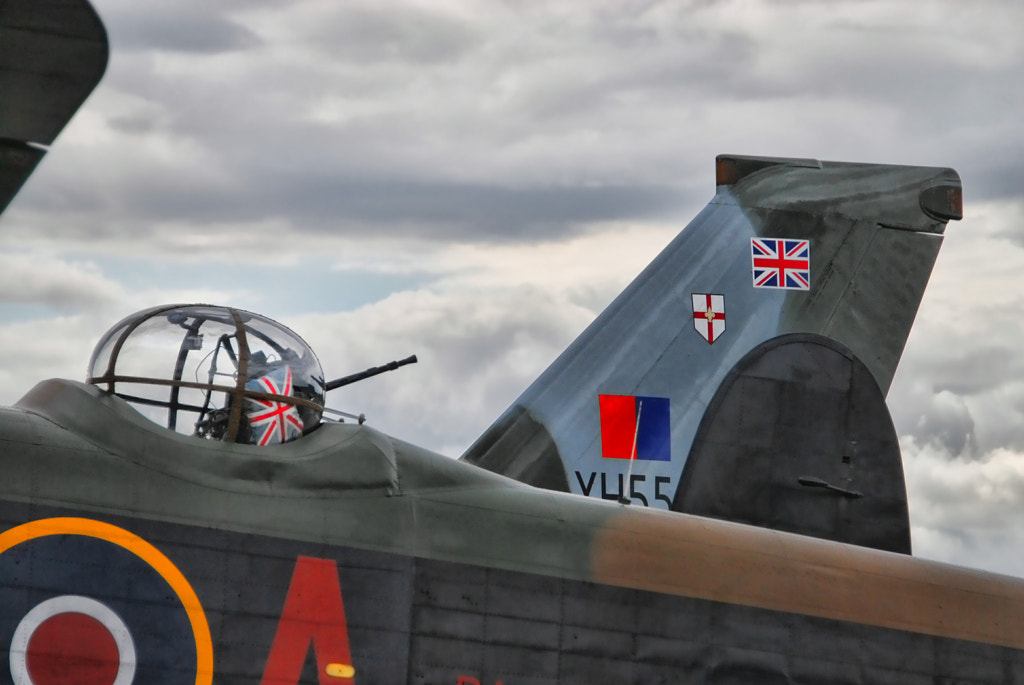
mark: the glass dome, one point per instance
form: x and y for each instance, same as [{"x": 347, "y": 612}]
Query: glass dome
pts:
[{"x": 213, "y": 372}]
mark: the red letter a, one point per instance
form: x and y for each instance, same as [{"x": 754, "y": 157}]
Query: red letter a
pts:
[{"x": 313, "y": 612}]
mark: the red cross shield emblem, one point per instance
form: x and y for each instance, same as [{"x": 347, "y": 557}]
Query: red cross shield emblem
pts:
[{"x": 709, "y": 315}]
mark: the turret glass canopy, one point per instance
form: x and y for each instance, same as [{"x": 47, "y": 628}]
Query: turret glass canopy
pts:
[{"x": 213, "y": 372}]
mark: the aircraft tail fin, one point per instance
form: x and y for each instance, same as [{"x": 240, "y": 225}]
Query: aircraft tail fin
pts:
[
  {"x": 750, "y": 358},
  {"x": 52, "y": 55}
]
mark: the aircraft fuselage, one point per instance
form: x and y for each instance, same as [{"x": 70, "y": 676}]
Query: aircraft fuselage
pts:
[{"x": 435, "y": 572}]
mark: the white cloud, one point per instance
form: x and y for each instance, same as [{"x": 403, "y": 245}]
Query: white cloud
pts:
[
  {"x": 477, "y": 352},
  {"x": 965, "y": 510},
  {"x": 36, "y": 278},
  {"x": 490, "y": 323}
]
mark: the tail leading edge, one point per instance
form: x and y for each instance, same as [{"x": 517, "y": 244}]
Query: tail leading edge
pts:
[{"x": 742, "y": 374}]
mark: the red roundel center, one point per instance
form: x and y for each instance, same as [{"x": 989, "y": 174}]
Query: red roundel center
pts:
[{"x": 72, "y": 649}]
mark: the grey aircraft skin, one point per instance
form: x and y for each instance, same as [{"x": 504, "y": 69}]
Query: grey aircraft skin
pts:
[
  {"x": 777, "y": 552},
  {"x": 792, "y": 375}
]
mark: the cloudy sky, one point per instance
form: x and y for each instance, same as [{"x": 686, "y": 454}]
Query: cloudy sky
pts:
[{"x": 473, "y": 181}]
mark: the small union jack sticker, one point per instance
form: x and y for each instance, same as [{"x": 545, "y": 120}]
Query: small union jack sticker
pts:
[{"x": 781, "y": 263}]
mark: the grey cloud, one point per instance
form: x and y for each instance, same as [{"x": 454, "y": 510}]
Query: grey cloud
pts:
[
  {"x": 948, "y": 425},
  {"x": 463, "y": 210},
  {"x": 175, "y": 27},
  {"x": 998, "y": 180},
  {"x": 977, "y": 369},
  {"x": 321, "y": 205},
  {"x": 963, "y": 427},
  {"x": 375, "y": 33},
  {"x": 508, "y": 124},
  {"x": 134, "y": 124}
]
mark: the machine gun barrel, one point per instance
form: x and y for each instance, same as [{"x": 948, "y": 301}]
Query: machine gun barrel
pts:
[{"x": 372, "y": 371}]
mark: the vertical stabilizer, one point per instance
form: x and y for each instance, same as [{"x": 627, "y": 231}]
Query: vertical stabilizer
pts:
[
  {"x": 52, "y": 54},
  {"x": 835, "y": 250}
]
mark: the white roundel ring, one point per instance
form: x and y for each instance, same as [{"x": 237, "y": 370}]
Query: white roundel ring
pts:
[{"x": 56, "y": 607}]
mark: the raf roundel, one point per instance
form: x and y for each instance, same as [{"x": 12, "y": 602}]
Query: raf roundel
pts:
[{"x": 83, "y": 624}]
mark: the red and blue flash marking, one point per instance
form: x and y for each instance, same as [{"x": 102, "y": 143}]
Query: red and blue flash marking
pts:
[{"x": 625, "y": 418}]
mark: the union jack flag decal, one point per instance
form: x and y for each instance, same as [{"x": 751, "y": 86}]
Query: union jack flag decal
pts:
[
  {"x": 272, "y": 421},
  {"x": 781, "y": 263}
]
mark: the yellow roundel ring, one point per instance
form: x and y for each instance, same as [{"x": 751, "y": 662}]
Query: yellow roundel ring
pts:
[{"x": 145, "y": 551}]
